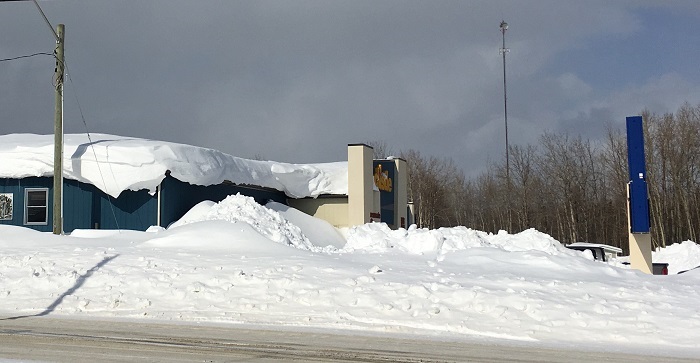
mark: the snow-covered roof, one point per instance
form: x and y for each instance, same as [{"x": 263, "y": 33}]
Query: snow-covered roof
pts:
[{"x": 116, "y": 163}]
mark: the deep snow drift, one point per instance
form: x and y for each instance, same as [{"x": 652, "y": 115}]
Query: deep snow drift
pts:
[
  {"x": 237, "y": 262},
  {"x": 116, "y": 163}
]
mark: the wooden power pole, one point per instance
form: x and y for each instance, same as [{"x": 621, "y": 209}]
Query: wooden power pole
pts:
[{"x": 58, "y": 134}]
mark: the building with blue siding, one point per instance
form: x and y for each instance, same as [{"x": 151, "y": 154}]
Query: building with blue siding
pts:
[
  {"x": 114, "y": 182},
  {"x": 29, "y": 201}
]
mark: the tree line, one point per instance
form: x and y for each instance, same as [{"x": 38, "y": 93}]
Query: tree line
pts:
[{"x": 571, "y": 188}]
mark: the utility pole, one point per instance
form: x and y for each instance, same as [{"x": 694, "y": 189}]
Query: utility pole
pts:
[
  {"x": 59, "y": 75},
  {"x": 504, "y": 50}
]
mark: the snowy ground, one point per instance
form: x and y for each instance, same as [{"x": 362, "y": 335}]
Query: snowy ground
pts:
[{"x": 237, "y": 262}]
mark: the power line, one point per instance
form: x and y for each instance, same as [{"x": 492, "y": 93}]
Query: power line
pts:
[
  {"x": 92, "y": 144},
  {"x": 55, "y": 35},
  {"x": 62, "y": 64},
  {"x": 26, "y": 56}
]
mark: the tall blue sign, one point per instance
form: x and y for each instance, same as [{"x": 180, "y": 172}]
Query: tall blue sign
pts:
[
  {"x": 638, "y": 194},
  {"x": 384, "y": 174}
]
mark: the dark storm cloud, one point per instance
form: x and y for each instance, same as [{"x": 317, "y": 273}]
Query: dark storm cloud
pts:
[{"x": 298, "y": 80}]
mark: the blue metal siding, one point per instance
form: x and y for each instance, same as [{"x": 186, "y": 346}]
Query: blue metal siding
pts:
[
  {"x": 77, "y": 205},
  {"x": 178, "y": 197},
  {"x": 17, "y": 187},
  {"x": 132, "y": 210},
  {"x": 86, "y": 207}
]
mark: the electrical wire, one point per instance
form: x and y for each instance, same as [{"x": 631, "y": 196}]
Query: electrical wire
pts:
[
  {"x": 47, "y": 21},
  {"x": 26, "y": 56},
  {"x": 54, "y": 79},
  {"x": 57, "y": 83},
  {"x": 92, "y": 144}
]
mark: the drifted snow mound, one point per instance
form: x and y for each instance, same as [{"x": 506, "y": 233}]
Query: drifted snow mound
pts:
[
  {"x": 378, "y": 237},
  {"x": 196, "y": 214},
  {"x": 679, "y": 256},
  {"x": 528, "y": 240},
  {"x": 243, "y": 209},
  {"x": 318, "y": 231}
]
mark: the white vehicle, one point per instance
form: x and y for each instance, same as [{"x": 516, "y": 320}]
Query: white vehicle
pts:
[
  {"x": 600, "y": 251},
  {"x": 606, "y": 253}
]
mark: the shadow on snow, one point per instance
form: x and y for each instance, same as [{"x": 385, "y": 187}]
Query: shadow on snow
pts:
[{"x": 78, "y": 283}]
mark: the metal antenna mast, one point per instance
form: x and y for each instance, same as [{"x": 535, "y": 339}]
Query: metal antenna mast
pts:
[{"x": 503, "y": 51}]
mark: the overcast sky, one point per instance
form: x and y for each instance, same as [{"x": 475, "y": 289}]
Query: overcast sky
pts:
[{"x": 297, "y": 81}]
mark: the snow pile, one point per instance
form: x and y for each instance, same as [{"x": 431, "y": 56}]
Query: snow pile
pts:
[
  {"x": 116, "y": 163},
  {"x": 240, "y": 208},
  {"x": 679, "y": 256},
  {"x": 197, "y": 213},
  {"x": 528, "y": 240},
  {"x": 318, "y": 231},
  {"x": 378, "y": 238}
]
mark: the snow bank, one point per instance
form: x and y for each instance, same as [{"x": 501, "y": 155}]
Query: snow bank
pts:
[
  {"x": 378, "y": 237},
  {"x": 679, "y": 256},
  {"x": 318, "y": 231},
  {"x": 240, "y": 208},
  {"x": 116, "y": 163},
  {"x": 222, "y": 237},
  {"x": 237, "y": 262},
  {"x": 197, "y": 213},
  {"x": 289, "y": 226}
]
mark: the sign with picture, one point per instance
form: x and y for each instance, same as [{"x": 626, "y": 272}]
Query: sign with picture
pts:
[
  {"x": 384, "y": 174},
  {"x": 6, "y": 206}
]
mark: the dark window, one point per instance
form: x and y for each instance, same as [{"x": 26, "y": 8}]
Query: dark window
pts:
[{"x": 36, "y": 206}]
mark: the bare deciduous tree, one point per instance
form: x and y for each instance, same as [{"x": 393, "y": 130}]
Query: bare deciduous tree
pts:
[{"x": 569, "y": 187}]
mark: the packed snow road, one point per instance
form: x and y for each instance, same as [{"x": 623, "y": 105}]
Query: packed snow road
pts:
[{"x": 70, "y": 340}]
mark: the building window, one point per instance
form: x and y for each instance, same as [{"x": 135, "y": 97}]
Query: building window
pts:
[
  {"x": 36, "y": 206},
  {"x": 6, "y": 206}
]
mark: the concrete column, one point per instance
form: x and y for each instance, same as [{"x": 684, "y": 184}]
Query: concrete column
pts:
[
  {"x": 401, "y": 193},
  {"x": 640, "y": 252},
  {"x": 360, "y": 196},
  {"x": 640, "y": 246}
]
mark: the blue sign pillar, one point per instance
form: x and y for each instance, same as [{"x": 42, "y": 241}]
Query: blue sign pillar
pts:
[{"x": 638, "y": 198}]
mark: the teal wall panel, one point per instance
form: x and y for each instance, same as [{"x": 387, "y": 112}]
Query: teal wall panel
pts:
[
  {"x": 135, "y": 210},
  {"x": 179, "y": 197},
  {"x": 17, "y": 188},
  {"x": 77, "y": 205},
  {"x": 86, "y": 207}
]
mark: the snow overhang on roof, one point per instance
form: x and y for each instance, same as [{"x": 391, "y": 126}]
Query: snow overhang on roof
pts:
[{"x": 116, "y": 163}]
